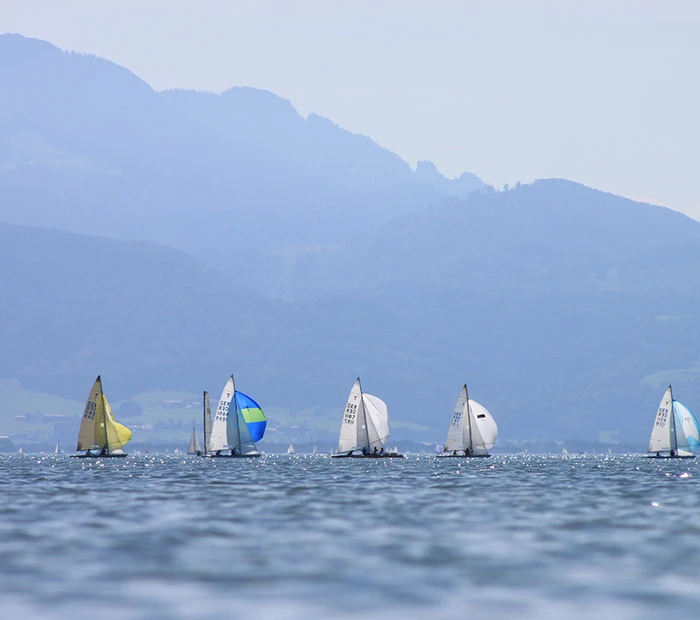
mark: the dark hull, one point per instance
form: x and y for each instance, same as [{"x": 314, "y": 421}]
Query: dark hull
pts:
[
  {"x": 232, "y": 456},
  {"x": 97, "y": 456},
  {"x": 668, "y": 456},
  {"x": 368, "y": 456},
  {"x": 464, "y": 456}
]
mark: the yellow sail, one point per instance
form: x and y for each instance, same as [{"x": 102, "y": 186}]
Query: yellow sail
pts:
[
  {"x": 118, "y": 435},
  {"x": 94, "y": 411}
]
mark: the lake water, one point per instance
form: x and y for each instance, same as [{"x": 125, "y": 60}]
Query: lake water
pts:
[{"x": 527, "y": 536}]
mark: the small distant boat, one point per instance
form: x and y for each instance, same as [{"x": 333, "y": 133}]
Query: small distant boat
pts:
[
  {"x": 365, "y": 427},
  {"x": 564, "y": 451},
  {"x": 20, "y": 451},
  {"x": 58, "y": 448},
  {"x": 290, "y": 450},
  {"x": 472, "y": 430},
  {"x": 228, "y": 432},
  {"x": 675, "y": 428},
  {"x": 194, "y": 447},
  {"x": 315, "y": 450},
  {"x": 98, "y": 428}
]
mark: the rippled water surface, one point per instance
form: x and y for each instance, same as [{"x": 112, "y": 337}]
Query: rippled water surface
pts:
[{"x": 529, "y": 536}]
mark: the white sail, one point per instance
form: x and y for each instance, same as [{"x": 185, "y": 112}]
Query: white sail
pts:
[
  {"x": 377, "y": 418},
  {"x": 315, "y": 450},
  {"x": 455, "y": 431},
  {"x": 58, "y": 448},
  {"x": 682, "y": 446},
  {"x": 353, "y": 431},
  {"x": 238, "y": 433},
  {"x": 485, "y": 422},
  {"x": 478, "y": 444},
  {"x": 661, "y": 440},
  {"x": 194, "y": 446},
  {"x": 206, "y": 408},
  {"x": 218, "y": 439},
  {"x": 290, "y": 450}
]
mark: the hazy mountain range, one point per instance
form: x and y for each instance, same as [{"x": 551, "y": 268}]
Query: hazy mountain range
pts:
[{"x": 302, "y": 255}]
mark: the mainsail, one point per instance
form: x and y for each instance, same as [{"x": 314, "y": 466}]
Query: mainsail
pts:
[
  {"x": 660, "y": 440},
  {"x": 206, "y": 412},
  {"x": 218, "y": 439},
  {"x": 194, "y": 447},
  {"x": 98, "y": 428}
]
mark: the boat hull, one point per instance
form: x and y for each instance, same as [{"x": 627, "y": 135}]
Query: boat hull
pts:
[
  {"x": 668, "y": 456},
  {"x": 463, "y": 456},
  {"x": 97, "y": 456},
  {"x": 231, "y": 456},
  {"x": 368, "y": 456}
]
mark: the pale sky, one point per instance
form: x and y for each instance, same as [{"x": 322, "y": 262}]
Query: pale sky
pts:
[{"x": 601, "y": 92}]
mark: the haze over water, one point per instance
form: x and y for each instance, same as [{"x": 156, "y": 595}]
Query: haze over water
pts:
[{"x": 162, "y": 536}]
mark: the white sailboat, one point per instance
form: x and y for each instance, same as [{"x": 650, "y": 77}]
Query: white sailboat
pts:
[
  {"x": 194, "y": 447},
  {"x": 315, "y": 450},
  {"x": 472, "y": 430},
  {"x": 668, "y": 435},
  {"x": 98, "y": 428},
  {"x": 290, "y": 450},
  {"x": 58, "y": 448},
  {"x": 229, "y": 431},
  {"x": 365, "y": 426}
]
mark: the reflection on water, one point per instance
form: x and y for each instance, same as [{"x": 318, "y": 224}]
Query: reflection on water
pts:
[{"x": 157, "y": 536}]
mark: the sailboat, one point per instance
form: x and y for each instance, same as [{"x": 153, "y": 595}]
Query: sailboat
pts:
[
  {"x": 58, "y": 448},
  {"x": 290, "y": 450},
  {"x": 194, "y": 447},
  {"x": 315, "y": 450},
  {"x": 472, "y": 430},
  {"x": 98, "y": 428},
  {"x": 668, "y": 435},
  {"x": 365, "y": 427},
  {"x": 228, "y": 432}
]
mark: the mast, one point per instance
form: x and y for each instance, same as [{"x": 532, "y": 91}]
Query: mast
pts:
[
  {"x": 239, "y": 447},
  {"x": 104, "y": 409},
  {"x": 364, "y": 413},
  {"x": 204, "y": 420},
  {"x": 469, "y": 418},
  {"x": 672, "y": 426}
]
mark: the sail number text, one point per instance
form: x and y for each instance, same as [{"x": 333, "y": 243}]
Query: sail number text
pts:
[
  {"x": 350, "y": 414},
  {"x": 661, "y": 417}
]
